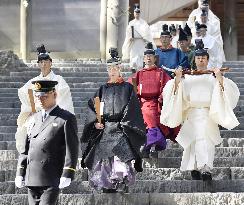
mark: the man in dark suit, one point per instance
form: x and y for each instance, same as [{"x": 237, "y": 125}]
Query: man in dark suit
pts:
[{"x": 48, "y": 161}]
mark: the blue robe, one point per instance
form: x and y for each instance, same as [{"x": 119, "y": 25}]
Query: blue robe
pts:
[{"x": 172, "y": 58}]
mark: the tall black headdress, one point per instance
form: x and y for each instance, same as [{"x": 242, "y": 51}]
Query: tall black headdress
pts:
[
  {"x": 182, "y": 35},
  {"x": 199, "y": 49},
  {"x": 42, "y": 54},
  {"x": 114, "y": 60},
  {"x": 197, "y": 26},
  {"x": 165, "y": 31},
  {"x": 205, "y": 3},
  {"x": 204, "y": 12},
  {"x": 172, "y": 28},
  {"x": 137, "y": 8},
  {"x": 149, "y": 49},
  {"x": 188, "y": 30}
]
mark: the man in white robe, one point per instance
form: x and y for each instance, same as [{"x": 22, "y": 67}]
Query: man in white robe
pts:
[
  {"x": 138, "y": 33},
  {"x": 204, "y": 15},
  {"x": 199, "y": 103},
  {"x": 64, "y": 99},
  {"x": 215, "y": 60}
]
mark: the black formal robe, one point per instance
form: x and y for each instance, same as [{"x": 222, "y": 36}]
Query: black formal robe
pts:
[{"x": 124, "y": 131}]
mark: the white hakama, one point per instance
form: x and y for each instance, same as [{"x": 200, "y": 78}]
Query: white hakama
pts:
[{"x": 199, "y": 105}]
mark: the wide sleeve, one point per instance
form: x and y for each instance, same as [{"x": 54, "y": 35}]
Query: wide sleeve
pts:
[
  {"x": 172, "y": 109},
  {"x": 72, "y": 147},
  {"x": 132, "y": 122},
  {"x": 223, "y": 102},
  {"x": 91, "y": 118},
  {"x": 127, "y": 44},
  {"x": 25, "y": 108},
  {"x": 64, "y": 98}
]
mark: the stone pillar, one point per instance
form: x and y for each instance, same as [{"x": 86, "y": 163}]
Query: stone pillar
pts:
[
  {"x": 103, "y": 29},
  {"x": 24, "y": 29},
  {"x": 124, "y": 19},
  {"x": 112, "y": 25},
  {"x": 230, "y": 34}
]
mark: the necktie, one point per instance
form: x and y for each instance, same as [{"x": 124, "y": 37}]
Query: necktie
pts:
[{"x": 44, "y": 117}]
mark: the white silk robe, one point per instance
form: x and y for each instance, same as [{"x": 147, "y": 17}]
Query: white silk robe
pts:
[
  {"x": 25, "y": 120},
  {"x": 134, "y": 49},
  {"x": 199, "y": 105},
  {"x": 213, "y": 28}
]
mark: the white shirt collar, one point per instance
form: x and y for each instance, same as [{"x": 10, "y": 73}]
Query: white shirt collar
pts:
[
  {"x": 49, "y": 76},
  {"x": 48, "y": 111}
]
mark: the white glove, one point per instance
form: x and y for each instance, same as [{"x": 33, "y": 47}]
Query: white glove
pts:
[
  {"x": 64, "y": 182},
  {"x": 19, "y": 181}
]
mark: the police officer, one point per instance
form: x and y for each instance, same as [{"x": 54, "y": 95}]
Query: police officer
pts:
[{"x": 48, "y": 161}]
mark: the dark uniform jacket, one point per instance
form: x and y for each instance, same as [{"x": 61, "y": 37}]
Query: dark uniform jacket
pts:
[{"x": 51, "y": 149}]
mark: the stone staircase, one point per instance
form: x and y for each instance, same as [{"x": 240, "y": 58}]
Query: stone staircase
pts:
[{"x": 161, "y": 183}]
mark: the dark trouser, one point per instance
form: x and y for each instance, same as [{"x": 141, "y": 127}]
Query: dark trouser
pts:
[{"x": 43, "y": 195}]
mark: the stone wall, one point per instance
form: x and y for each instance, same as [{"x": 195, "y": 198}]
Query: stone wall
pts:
[
  {"x": 9, "y": 25},
  {"x": 66, "y": 26}
]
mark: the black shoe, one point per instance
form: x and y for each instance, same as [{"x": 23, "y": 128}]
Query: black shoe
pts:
[
  {"x": 138, "y": 165},
  {"x": 145, "y": 153},
  {"x": 109, "y": 190},
  {"x": 122, "y": 188},
  {"x": 195, "y": 175},
  {"x": 206, "y": 176}
]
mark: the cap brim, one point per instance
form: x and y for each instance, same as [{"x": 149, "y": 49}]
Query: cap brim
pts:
[{"x": 40, "y": 94}]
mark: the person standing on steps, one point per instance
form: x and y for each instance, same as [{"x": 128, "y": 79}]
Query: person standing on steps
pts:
[
  {"x": 169, "y": 57},
  {"x": 114, "y": 134},
  {"x": 200, "y": 103},
  {"x": 138, "y": 33},
  {"x": 47, "y": 162},
  {"x": 64, "y": 98},
  {"x": 149, "y": 83},
  {"x": 184, "y": 47}
]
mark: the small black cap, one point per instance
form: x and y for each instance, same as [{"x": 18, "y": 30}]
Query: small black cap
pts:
[
  {"x": 187, "y": 30},
  {"x": 149, "y": 49},
  {"x": 42, "y": 54},
  {"x": 199, "y": 49},
  {"x": 182, "y": 35},
  {"x": 165, "y": 31},
  {"x": 115, "y": 60},
  {"x": 44, "y": 86},
  {"x": 137, "y": 8}
]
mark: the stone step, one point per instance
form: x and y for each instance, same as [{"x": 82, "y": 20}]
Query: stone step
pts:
[
  {"x": 32, "y": 74},
  {"x": 146, "y": 186},
  {"x": 231, "y": 142},
  {"x": 174, "y": 162},
  {"x": 72, "y": 85},
  {"x": 167, "y": 162},
  {"x": 9, "y": 175},
  {"x": 234, "y": 74},
  {"x": 12, "y": 129},
  {"x": 8, "y": 155},
  {"x": 70, "y": 65},
  {"x": 221, "y": 198},
  {"x": 218, "y": 173},
  {"x": 82, "y": 89},
  {"x": 67, "y": 79},
  {"x": 227, "y": 152},
  {"x": 219, "y": 152},
  {"x": 83, "y": 95},
  {"x": 16, "y": 99},
  {"x": 227, "y": 142}
]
